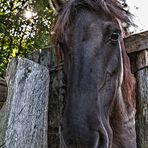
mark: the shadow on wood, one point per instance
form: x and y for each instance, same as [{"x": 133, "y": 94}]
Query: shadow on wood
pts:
[{"x": 3, "y": 91}]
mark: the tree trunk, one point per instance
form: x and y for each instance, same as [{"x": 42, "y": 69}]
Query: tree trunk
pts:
[{"x": 26, "y": 109}]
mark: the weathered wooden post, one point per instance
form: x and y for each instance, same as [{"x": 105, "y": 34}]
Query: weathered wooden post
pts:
[
  {"x": 137, "y": 47},
  {"x": 3, "y": 91},
  {"x": 26, "y": 108},
  {"x": 48, "y": 58}
]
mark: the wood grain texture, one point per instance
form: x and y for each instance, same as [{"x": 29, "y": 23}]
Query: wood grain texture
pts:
[
  {"x": 136, "y": 42},
  {"x": 27, "y": 105},
  {"x": 142, "y": 99},
  {"x": 3, "y": 91}
]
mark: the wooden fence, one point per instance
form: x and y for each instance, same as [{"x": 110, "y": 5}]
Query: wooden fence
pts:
[
  {"x": 32, "y": 106},
  {"x": 137, "y": 47}
]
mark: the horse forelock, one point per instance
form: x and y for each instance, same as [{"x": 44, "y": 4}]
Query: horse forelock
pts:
[{"x": 112, "y": 8}]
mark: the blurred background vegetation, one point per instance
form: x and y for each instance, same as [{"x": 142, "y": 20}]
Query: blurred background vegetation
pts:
[{"x": 25, "y": 25}]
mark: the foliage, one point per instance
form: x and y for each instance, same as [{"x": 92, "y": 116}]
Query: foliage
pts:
[{"x": 20, "y": 35}]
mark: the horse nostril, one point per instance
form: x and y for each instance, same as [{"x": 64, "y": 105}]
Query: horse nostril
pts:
[{"x": 101, "y": 140}]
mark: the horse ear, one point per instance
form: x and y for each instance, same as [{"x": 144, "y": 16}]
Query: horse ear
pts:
[{"x": 58, "y": 4}]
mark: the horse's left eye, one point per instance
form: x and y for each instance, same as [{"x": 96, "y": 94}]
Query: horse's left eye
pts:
[{"x": 114, "y": 36}]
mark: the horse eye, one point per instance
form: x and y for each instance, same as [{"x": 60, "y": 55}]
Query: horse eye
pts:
[{"x": 114, "y": 36}]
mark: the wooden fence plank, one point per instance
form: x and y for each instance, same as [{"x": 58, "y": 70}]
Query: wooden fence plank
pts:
[
  {"x": 3, "y": 90},
  {"x": 142, "y": 99},
  {"x": 136, "y": 42},
  {"x": 26, "y": 105}
]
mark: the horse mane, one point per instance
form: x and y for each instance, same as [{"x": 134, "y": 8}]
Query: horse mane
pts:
[
  {"x": 112, "y": 8},
  {"x": 128, "y": 84}
]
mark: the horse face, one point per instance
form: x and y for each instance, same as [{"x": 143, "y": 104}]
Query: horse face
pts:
[{"x": 93, "y": 65}]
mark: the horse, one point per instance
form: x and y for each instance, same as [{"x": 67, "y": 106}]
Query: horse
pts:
[{"x": 100, "y": 95}]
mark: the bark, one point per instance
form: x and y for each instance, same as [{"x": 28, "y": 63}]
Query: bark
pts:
[{"x": 26, "y": 109}]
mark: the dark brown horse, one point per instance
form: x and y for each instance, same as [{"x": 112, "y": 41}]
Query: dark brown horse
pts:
[{"x": 100, "y": 105}]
